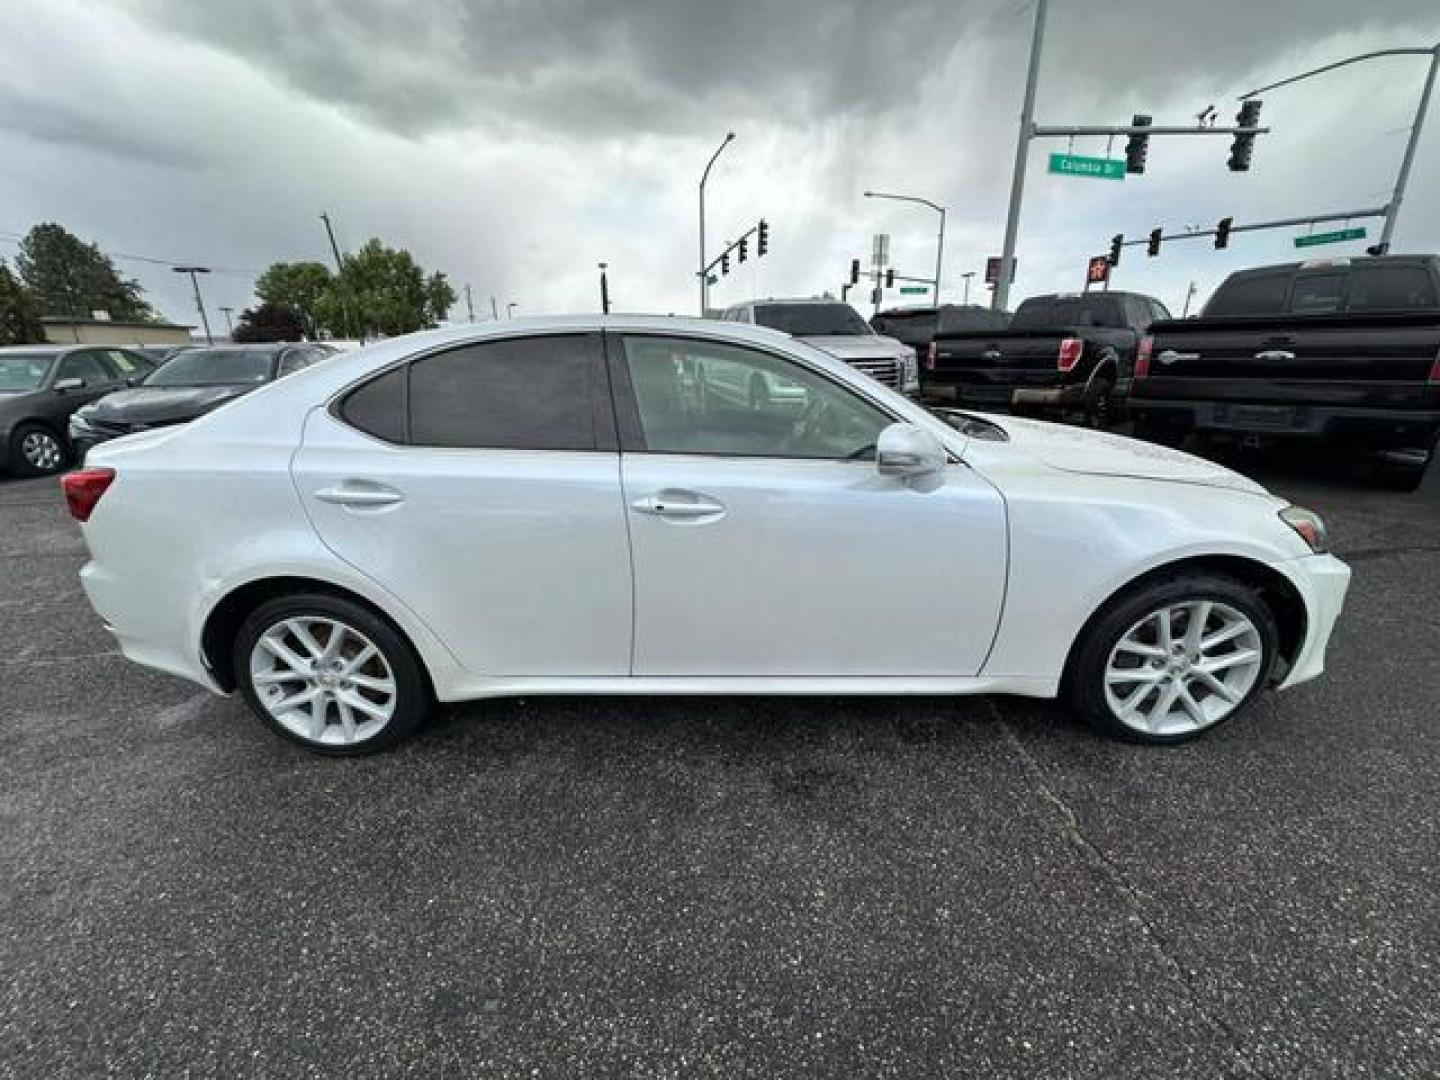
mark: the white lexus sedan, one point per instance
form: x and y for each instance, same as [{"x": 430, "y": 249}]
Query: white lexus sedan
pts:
[{"x": 566, "y": 505}]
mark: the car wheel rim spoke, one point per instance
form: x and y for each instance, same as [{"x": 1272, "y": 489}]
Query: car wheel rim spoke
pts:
[
  {"x": 323, "y": 681},
  {"x": 1183, "y": 667}
]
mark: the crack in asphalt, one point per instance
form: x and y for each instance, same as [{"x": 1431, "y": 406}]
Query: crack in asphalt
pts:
[{"x": 1094, "y": 856}]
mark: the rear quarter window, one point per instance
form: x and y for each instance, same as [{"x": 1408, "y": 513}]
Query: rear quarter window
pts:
[{"x": 378, "y": 407}]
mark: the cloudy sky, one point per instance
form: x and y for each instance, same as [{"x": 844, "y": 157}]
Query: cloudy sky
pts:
[{"x": 515, "y": 144}]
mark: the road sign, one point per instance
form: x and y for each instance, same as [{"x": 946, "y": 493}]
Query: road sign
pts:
[
  {"x": 1097, "y": 270},
  {"x": 992, "y": 269},
  {"x": 1094, "y": 167},
  {"x": 1312, "y": 239},
  {"x": 914, "y": 290}
]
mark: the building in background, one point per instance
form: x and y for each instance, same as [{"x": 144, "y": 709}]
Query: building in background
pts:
[{"x": 61, "y": 331}]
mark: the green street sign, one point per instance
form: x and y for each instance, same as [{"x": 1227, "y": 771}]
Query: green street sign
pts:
[
  {"x": 1094, "y": 167},
  {"x": 914, "y": 290},
  {"x": 1313, "y": 239}
]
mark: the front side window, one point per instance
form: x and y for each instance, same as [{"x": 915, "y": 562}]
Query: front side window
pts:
[
  {"x": 534, "y": 393},
  {"x": 705, "y": 397},
  {"x": 87, "y": 366}
]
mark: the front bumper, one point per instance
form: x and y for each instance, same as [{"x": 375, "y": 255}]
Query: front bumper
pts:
[{"x": 1322, "y": 581}]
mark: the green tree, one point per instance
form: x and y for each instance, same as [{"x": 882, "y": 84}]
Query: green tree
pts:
[
  {"x": 384, "y": 291},
  {"x": 19, "y": 318},
  {"x": 71, "y": 278},
  {"x": 298, "y": 286},
  {"x": 268, "y": 322}
]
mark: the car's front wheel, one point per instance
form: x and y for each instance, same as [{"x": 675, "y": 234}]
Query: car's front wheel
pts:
[
  {"x": 329, "y": 674},
  {"x": 1172, "y": 659},
  {"x": 35, "y": 450}
]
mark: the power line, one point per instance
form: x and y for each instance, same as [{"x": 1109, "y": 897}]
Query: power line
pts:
[{"x": 17, "y": 238}]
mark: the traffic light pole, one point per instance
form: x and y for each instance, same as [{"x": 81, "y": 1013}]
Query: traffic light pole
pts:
[
  {"x": 1398, "y": 195},
  {"x": 1283, "y": 223}
]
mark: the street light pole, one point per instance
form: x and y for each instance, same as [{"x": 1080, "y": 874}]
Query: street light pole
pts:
[
  {"x": 510, "y": 309},
  {"x": 1392, "y": 210},
  {"x": 704, "y": 282},
  {"x": 604, "y": 291},
  {"x": 199, "y": 303},
  {"x": 967, "y": 276},
  {"x": 229, "y": 326},
  {"x": 1001, "y": 297},
  {"x": 940, "y": 242}
]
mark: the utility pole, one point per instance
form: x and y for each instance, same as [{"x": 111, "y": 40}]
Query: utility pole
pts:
[
  {"x": 967, "y": 276},
  {"x": 1392, "y": 210},
  {"x": 604, "y": 291},
  {"x": 339, "y": 270},
  {"x": 494, "y": 311},
  {"x": 229, "y": 326},
  {"x": 704, "y": 271},
  {"x": 1189, "y": 295},
  {"x": 469, "y": 302},
  {"x": 1000, "y": 299},
  {"x": 193, "y": 271},
  {"x": 510, "y": 309}
]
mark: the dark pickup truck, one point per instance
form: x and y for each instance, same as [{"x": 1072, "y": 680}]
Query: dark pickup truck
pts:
[
  {"x": 1070, "y": 352},
  {"x": 1341, "y": 350}
]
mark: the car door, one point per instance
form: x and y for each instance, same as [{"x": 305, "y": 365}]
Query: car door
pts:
[
  {"x": 480, "y": 484},
  {"x": 765, "y": 542}
]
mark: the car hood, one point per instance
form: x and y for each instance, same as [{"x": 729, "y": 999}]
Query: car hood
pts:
[
  {"x": 1098, "y": 453},
  {"x": 164, "y": 404},
  {"x": 853, "y": 347}
]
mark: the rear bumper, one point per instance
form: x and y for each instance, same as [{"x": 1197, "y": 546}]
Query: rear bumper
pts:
[
  {"x": 149, "y": 628},
  {"x": 1378, "y": 427},
  {"x": 1322, "y": 581},
  {"x": 994, "y": 395}
]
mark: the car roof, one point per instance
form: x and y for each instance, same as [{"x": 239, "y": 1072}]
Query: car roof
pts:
[
  {"x": 52, "y": 350},
  {"x": 792, "y": 300}
]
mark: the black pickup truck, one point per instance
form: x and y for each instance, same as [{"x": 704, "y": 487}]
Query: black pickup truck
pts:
[
  {"x": 1068, "y": 352},
  {"x": 1341, "y": 350}
]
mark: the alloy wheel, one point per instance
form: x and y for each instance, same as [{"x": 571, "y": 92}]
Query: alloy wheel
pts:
[
  {"x": 1183, "y": 668},
  {"x": 42, "y": 451},
  {"x": 323, "y": 681}
]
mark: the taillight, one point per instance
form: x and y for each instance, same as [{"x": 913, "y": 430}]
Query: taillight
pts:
[
  {"x": 83, "y": 489},
  {"x": 1142, "y": 357},
  {"x": 1069, "y": 354},
  {"x": 930, "y": 357},
  {"x": 1434, "y": 376}
]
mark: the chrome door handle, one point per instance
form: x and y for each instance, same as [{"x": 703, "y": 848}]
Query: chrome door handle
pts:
[
  {"x": 677, "y": 506},
  {"x": 1275, "y": 354},
  {"x": 370, "y": 495},
  {"x": 1170, "y": 356}
]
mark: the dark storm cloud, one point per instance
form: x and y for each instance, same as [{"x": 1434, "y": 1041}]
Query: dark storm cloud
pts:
[
  {"x": 598, "y": 68},
  {"x": 44, "y": 119}
]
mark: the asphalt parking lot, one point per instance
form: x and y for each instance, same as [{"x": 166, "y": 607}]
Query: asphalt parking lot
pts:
[{"x": 682, "y": 887}]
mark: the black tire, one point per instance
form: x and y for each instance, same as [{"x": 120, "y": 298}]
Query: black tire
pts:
[
  {"x": 22, "y": 454},
  {"x": 1084, "y": 683},
  {"x": 413, "y": 697},
  {"x": 1100, "y": 404},
  {"x": 1399, "y": 477}
]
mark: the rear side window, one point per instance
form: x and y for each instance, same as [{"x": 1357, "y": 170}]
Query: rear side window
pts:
[
  {"x": 1318, "y": 294},
  {"x": 535, "y": 393},
  {"x": 1255, "y": 294},
  {"x": 1391, "y": 288},
  {"x": 378, "y": 407}
]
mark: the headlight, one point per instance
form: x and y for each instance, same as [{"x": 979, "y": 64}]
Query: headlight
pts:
[{"x": 1308, "y": 524}]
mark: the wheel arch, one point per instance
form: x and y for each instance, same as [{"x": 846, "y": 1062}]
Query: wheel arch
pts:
[
  {"x": 1277, "y": 591},
  {"x": 227, "y": 616}
]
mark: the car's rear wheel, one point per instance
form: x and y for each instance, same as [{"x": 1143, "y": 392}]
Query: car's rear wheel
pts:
[
  {"x": 35, "y": 450},
  {"x": 329, "y": 674},
  {"x": 1100, "y": 404},
  {"x": 1173, "y": 659}
]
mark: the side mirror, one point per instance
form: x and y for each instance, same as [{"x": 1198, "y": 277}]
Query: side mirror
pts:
[
  {"x": 69, "y": 384},
  {"x": 908, "y": 450}
]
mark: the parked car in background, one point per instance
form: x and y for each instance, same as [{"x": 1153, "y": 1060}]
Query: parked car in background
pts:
[
  {"x": 540, "y": 506},
  {"x": 1061, "y": 353},
  {"x": 917, "y": 326},
  {"x": 837, "y": 328},
  {"x": 1344, "y": 351},
  {"x": 189, "y": 384},
  {"x": 42, "y": 385}
]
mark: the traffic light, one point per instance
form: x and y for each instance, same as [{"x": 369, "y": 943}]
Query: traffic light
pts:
[
  {"x": 744, "y": 243},
  {"x": 1244, "y": 145},
  {"x": 1222, "y": 232},
  {"x": 890, "y": 278},
  {"x": 725, "y": 263},
  {"x": 1153, "y": 248},
  {"x": 854, "y": 271},
  {"x": 762, "y": 239},
  {"x": 1137, "y": 147},
  {"x": 1116, "y": 243},
  {"x": 1377, "y": 249}
]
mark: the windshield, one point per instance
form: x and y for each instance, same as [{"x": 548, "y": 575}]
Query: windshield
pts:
[
  {"x": 23, "y": 371},
  {"x": 214, "y": 367},
  {"x": 812, "y": 320}
]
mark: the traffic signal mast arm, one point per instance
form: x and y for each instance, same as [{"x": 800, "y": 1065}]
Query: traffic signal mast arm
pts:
[
  {"x": 1284, "y": 223},
  {"x": 724, "y": 257},
  {"x": 1039, "y": 132}
]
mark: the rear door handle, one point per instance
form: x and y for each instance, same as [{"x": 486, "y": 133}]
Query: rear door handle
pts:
[
  {"x": 1275, "y": 354},
  {"x": 678, "y": 504},
  {"x": 360, "y": 494}
]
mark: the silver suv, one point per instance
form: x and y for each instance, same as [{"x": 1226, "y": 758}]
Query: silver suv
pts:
[{"x": 836, "y": 328}]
